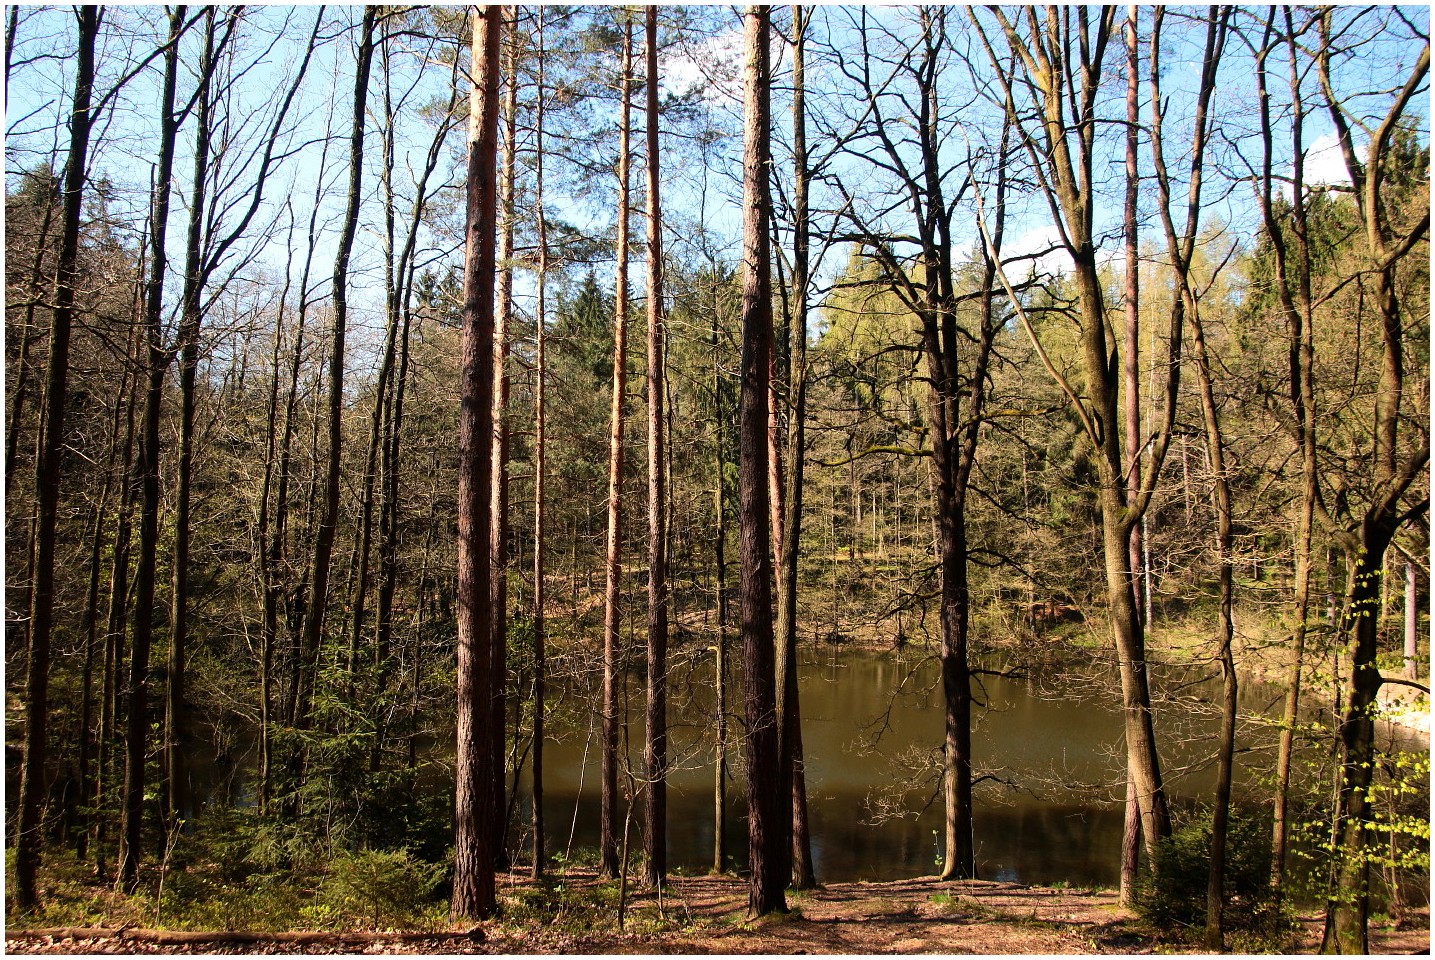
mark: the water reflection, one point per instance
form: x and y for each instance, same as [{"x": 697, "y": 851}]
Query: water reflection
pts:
[{"x": 872, "y": 724}]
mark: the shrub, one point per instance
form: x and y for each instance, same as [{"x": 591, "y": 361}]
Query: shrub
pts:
[
  {"x": 375, "y": 888},
  {"x": 1173, "y": 894}
]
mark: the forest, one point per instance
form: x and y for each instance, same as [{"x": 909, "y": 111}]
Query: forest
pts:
[{"x": 486, "y": 473}]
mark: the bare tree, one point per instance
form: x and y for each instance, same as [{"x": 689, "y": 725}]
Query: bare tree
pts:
[
  {"x": 47, "y": 463},
  {"x": 317, "y": 592},
  {"x": 147, "y": 466},
  {"x": 1393, "y": 475},
  {"x": 1061, "y": 55},
  {"x": 1181, "y": 249}
]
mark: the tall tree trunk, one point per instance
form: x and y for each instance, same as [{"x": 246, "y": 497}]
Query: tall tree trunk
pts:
[
  {"x": 157, "y": 360},
  {"x": 317, "y": 599},
  {"x": 498, "y": 530},
  {"x": 540, "y": 455},
  {"x": 1347, "y": 910},
  {"x": 1131, "y": 383},
  {"x": 273, "y": 511},
  {"x": 720, "y": 668},
  {"x": 1293, "y": 288},
  {"x": 655, "y": 750},
  {"x": 175, "y": 801},
  {"x": 1180, "y": 250},
  {"x": 768, "y": 796},
  {"x": 608, "y": 818},
  {"x": 119, "y": 580},
  {"x": 790, "y": 538},
  {"x": 474, "y": 895},
  {"x": 1226, "y": 745},
  {"x": 1065, "y": 145}
]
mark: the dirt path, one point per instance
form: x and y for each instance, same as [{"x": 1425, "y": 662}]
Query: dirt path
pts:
[{"x": 706, "y": 915}]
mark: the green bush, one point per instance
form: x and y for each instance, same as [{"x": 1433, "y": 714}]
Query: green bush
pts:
[
  {"x": 379, "y": 888},
  {"x": 1173, "y": 892}
]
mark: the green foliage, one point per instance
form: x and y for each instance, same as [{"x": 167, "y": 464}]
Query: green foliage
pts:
[
  {"x": 380, "y": 888},
  {"x": 553, "y": 903},
  {"x": 1173, "y": 893},
  {"x": 239, "y": 871},
  {"x": 1396, "y": 846}
]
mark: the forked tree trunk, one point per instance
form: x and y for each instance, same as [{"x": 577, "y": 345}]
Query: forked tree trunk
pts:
[
  {"x": 1393, "y": 474},
  {"x": 1131, "y": 382}
]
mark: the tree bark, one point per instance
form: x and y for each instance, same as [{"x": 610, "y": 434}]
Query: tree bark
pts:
[
  {"x": 317, "y": 598},
  {"x": 608, "y": 826},
  {"x": 768, "y": 822},
  {"x": 655, "y": 750},
  {"x": 47, "y": 472},
  {"x": 1131, "y": 380},
  {"x": 156, "y": 361},
  {"x": 474, "y": 895},
  {"x": 498, "y": 531},
  {"x": 175, "y": 801},
  {"x": 790, "y": 535},
  {"x": 540, "y": 455}
]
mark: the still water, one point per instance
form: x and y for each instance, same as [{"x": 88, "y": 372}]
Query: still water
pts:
[{"x": 872, "y": 726}]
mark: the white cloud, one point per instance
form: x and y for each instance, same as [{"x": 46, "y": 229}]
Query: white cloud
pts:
[
  {"x": 713, "y": 68},
  {"x": 1324, "y": 165},
  {"x": 1045, "y": 242}
]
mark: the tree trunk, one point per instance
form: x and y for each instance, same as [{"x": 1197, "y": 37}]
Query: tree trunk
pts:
[
  {"x": 156, "y": 360},
  {"x": 655, "y": 750},
  {"x": 720, "y": 669},
  {"x": 1412, "y": 622},
  {"x": 176, "y": 800},
  {"x": 790, "y": 536},
  {"x": 1347, "y": 913},
  {"x": 1297, "y": 310},
  {"x": 474, "y": 895},
  {"x": 540, "y": 455},
  {"x": 768, "y": 797},
  {"x": 498, "y": 529},
  {"x": 1131, "y": 380},
  {"x": 608, "y": 826},
  {"x": 317, "y": 599}
]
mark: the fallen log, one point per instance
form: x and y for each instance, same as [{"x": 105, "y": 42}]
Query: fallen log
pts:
[{"x": 182, "y": 937}]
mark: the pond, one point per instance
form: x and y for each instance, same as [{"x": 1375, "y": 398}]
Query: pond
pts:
[{"x": 872, "y": 724}]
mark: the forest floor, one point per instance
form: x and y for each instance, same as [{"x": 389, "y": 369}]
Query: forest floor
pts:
[{"x": 707, "y": 915}]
